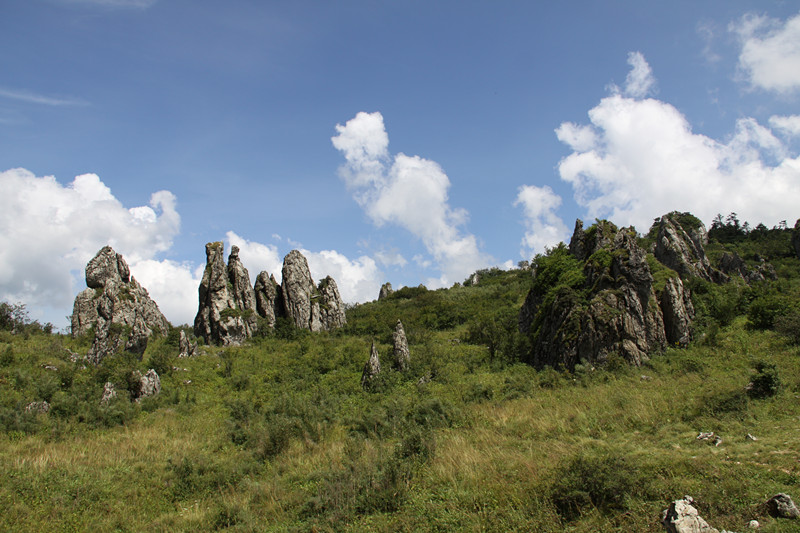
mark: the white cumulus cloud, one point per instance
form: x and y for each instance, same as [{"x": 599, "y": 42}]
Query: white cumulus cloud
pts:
[
  {"x": 49, "y": 231},
  {"x": 645, "y": 160},
  {"x": 788, "y": 125},
  {"x": 358, "y": 280},
  {"x": 172, "y": 285},
  {"x": 770, "y": 55},
  {"x": 543, "y": 228},
  {"x": 257, "y": 257},
  {"x": 640, "y": 81},
  {"x": 408, "y": 191}
]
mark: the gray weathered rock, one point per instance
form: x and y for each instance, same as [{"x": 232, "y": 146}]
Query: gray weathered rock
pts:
[
  {"x": 109, "y": 393},
  {"x": 386, "y": 290},
  {"x": 243, "y": 293},
  {"x": 269, "y": 303},
  {"x": 298, "y": 290},
  {"x": 402, "y": 356},
  {"x": 733, "y": 265},
  {"x": 782, "y": 506},
  {"x": 682, "y": 517},
  {"x": 682, "y": 249},
  {"x": 676, "y": 305},
  {"x": 149, "y": 384},
  {"x": 115, "y": 297},
  {"x": 331, "y": 306},
  {"x": 38, "y": 407},
  {"x": 219, "y": 318},
  {"x": 187, "y": 349},
  {"x": 372, "y": 368}
]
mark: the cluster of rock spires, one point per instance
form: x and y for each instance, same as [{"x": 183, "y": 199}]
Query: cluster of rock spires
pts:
[
  {"x": 624, "y": 311},
  {"x": 401, "y": 357},
  {"x": 229, "y": 308},
  {"x": 114, "y": 297}
]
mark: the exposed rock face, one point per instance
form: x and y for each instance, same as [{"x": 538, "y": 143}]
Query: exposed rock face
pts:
[
  {"x": 682, "y": 517},
  {"x": 331, "y": 306},
  {"x": 733, "y": 265},
  {"x": 682, "y": 249},
  {"x": 114, "y": 297},
  {"x": 298, "y": 290},
  {"x": 676, "y": 305},
  {"x": 309, "y": 307},
  {"x": 109, "y": 393},
  {"x": 187, "y": 349},
  {"x": 38, "y": 407},
  {"x": 229, "y": 307},
  {"x": 614, "y": 310},
  {"x": 402, "y": 356},
  {"x": 782, "y": 506},
  {"x": 222, "y": 317},
  {"x": 372, "y": 368},
  {"x": 269, "y": 303},
  {"x": 243, "y": 293},
  {"x": 148, "y": 385},
  {"x": 386, "y": 290}
]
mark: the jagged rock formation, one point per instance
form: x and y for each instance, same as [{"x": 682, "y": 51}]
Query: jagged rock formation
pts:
[
  {"x": 402, "y": 356},
  {"x": 226, "y": 314},
  {"x": 187, "y": 349},
  {"x": 682, "y": 248},
  {"x": 115, "y": 297},
  {"x": 682, "y": 517},
  {"x": 796, "y": 238},
  {"x": 229, "y": 308},
  {"x": 145, "y": 386},
  {"x": 733, "y": 265},
  {"x": 372, "y": 368},
  {"x": 109, "y": 393},
  {"x": 269, "y": 300},
  {"x": 609, "y": 302},
  {"x": 306, "y": 306},
  {"x": 386, "y": 290},
  {"x": 331, "y": 306},
  {"x": 299, "y": 304}
]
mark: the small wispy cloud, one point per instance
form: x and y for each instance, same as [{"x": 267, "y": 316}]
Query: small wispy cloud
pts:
[
  {"x": 135, "y": 4},
  {"x": 34, "y": 98}
]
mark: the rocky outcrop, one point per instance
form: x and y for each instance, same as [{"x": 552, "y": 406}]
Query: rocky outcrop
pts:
[
  {"x": 607, "y": 304},
  {"x": 269, "y": 303},
  {"x": 306, "y": 306},
  {"x": 222, "y": 317},
  {"x": 115, "y": 297},
  {"x": 782, "y": 506},
  {"x": 386, "y": 291},
  {"x": 298, "y": 292},
  {"x": 733, "y": 265},
  {"x": 187, "y": 348},
  {"x": 678, "y": 311},
  {"x": 402, "y": 356},
  {"x": 38, "y": 407},
  {"x": 109, "y": 393},
  {"x": 331, "y": 306},
  {"x": 145, "y": 386},
  {"x": 372, "y": 368},
  {"x": 682, "y": 248},
  {"x": 682, "y": 517}
]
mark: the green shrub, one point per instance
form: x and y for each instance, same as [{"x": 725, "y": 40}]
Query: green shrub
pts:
[
  {"x": 788, "y": 325},
  {"x": 596, "y": 480},
  {"x": 766, "y": 382}
]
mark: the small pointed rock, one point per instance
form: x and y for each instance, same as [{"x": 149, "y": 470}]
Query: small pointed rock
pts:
[
  {"x": 782, "y": 506},
  {"x": 402, "y": 357},
  {"x": 372, "y": 368}
]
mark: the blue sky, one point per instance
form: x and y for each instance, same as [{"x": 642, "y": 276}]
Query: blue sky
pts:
[{"x": 410, "y": 142}]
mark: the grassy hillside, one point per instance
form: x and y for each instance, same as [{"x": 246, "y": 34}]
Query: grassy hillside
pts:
[{"x": 278, "y": 435}]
